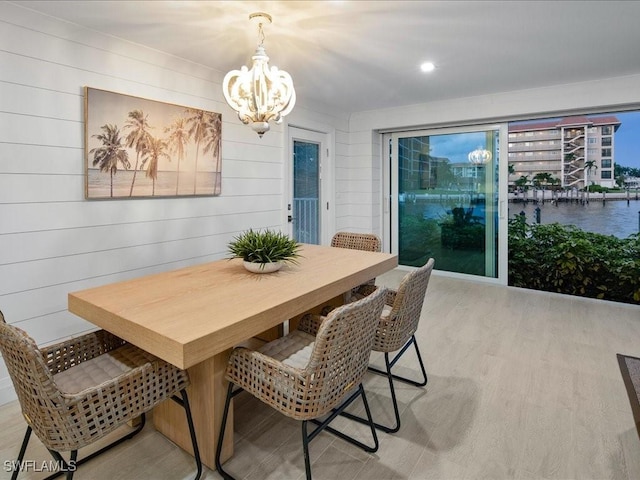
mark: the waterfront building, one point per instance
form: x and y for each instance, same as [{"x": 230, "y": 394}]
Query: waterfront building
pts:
[
  {"x": 565, "y": 148},
  {"x": 632, "y": 182}
]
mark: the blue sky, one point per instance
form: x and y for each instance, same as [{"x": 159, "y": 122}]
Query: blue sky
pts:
[
  {"x": 627, "y": 139},
  {"x": 456, "y": 147}
]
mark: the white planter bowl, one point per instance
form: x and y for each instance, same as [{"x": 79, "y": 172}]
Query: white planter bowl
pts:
[{"x": 262, "y": 267}]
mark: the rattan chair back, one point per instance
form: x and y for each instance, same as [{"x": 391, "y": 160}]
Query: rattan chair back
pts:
[
  {"x": 337, "y": 362},
  {"x": 356, "y": 241},
  {"x": 342, "y": 349},
  {"x": 396, "y": 328}
]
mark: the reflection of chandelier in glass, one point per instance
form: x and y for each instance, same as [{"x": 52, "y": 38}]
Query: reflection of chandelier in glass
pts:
[
  {"x": 480, "y": 156},
  {"x": 262, "y": 94}
]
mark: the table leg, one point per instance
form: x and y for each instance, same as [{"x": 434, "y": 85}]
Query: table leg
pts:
[{"x": 207, "y": 394}]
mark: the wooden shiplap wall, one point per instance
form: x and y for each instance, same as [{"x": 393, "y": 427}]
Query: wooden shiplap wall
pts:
[{"x": 52, "y": 240}]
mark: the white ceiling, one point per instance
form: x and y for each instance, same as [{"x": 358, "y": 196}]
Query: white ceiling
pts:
[{"x": 364, "y": 55}]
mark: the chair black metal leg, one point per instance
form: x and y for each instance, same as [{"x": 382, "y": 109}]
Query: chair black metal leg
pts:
[
  {"x": 306, "y": 436},
  {"x": 192, "y": 432},
  {"x": 394, "y": 401},
  {"x": 84, "y": 460},
  {"x": 70, "y": 467},
  {"x": 391, "y": 377},
  {"x": 65, "y": 467},
  {"x": 23, "y": 449},
  {"x": 424, "y": 380},
  {"x": 305, "y": 450},
  {"x": 371, "y": 423},
  {"x": 340, "y": 411},
  {"x": 227, "y": 403},
  {"x": 72, "y": 464}
]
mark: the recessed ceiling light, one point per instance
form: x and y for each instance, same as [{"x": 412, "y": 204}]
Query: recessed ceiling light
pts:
[{"x": 427, "y": 67}]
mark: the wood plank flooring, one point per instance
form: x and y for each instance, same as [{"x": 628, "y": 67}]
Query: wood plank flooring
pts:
[{"x": 522, "y": 385}]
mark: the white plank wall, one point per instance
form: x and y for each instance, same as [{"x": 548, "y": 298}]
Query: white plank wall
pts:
[{"x": 52, "y": 240}]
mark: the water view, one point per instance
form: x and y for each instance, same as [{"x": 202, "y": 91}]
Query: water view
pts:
[{"x": 613, "y": 217}]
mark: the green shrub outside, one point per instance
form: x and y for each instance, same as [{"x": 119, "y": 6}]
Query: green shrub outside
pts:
[
  {"x": 601, "y": 189},
  {"x": 418, "y": 237},
  {"x": 565, "y": 259},
  {"x": 461, "y": 230}
]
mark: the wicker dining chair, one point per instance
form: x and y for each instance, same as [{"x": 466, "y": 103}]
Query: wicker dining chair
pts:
[
  {"x": 311, "y": 373},
  {"x": 396, "y": 331},
  {"x": 77, "y": 391},
  {"x": 355, "y": 241}
]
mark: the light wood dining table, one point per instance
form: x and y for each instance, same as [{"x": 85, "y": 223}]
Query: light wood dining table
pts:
[{"x": 192, "y": 317}]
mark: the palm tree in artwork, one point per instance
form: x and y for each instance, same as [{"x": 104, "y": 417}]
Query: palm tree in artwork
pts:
[
  {"x": 197, "y": 121},
  {"x": 177, "y": 140},
  {"x": 212, "y": 144},
  {"x": 138, "y": 127},
  {"x": 111, "y": 153},
  {"x": 154, "y": 150}
]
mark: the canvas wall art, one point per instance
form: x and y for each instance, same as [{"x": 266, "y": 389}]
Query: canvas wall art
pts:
[{"x": 140, "y": 148}]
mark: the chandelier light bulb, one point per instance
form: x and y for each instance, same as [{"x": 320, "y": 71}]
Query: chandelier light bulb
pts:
[{"x": 427, "y": 67}]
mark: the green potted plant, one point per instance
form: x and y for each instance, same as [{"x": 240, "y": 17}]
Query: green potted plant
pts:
[{"x": 264, "y": 251}]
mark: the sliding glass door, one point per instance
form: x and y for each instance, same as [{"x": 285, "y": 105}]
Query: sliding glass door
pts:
[{"x": 445, "y": 201}]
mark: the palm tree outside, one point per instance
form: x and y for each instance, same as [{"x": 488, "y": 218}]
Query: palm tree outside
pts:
[
  {"x": 137, "y": 138},
  {"x": 111, "y": 153},
  {"x": 588, "y": 166},
  {"x": 543, "y": 178},
  {"x": 522, "y": 182}
]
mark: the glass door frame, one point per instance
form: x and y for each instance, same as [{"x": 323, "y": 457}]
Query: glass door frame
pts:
[
  {"x": 324, "y": 178},
  {"x": 390, "y": 189}
]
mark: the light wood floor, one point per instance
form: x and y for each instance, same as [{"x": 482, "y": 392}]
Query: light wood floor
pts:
[{"x": 522, "y": 385}]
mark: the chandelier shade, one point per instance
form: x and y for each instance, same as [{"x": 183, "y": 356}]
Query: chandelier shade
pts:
[{"x": 261, "y": 94}]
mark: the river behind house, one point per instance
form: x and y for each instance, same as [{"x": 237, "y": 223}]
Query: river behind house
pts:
[{"x": 611, "y": 217}]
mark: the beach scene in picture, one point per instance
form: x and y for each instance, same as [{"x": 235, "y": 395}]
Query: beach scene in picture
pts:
[{"x": 137, "y": 147}]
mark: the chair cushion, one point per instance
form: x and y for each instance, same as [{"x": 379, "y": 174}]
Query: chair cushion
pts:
[
  {"x": 293, "y": 349},
  {"x": 101, "y": 369}
]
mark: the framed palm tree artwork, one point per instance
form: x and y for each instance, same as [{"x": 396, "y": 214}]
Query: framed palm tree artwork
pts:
[{"x": 140, "y": 148}]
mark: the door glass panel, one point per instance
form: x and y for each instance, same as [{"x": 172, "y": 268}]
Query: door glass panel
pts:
[
  {"x": 306, "y": 192},
  {"x": 448, "y": 201}
]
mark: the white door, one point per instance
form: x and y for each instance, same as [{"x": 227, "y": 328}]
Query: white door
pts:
[{"x": 308, "y": 205}]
